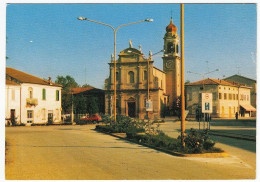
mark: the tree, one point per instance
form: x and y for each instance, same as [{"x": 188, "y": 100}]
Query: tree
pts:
[
  {"x": 68, "y": 83},
  {"x": 92, "y": 106},
  {"x": 187, "y": 81},
  {"x": 86, "y": 85}
]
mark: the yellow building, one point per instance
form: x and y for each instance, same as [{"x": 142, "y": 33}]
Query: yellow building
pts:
[
  {"x": 132, "y": 74},
  {"x": 246, "y": 81},
  {"x": 228, "y": 98}
]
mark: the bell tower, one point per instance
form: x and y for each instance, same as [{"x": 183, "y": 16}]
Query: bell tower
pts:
[{"x": 172, "y": 63}]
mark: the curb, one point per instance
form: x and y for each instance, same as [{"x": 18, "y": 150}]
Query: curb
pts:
[{"x": 204, "y": 155}]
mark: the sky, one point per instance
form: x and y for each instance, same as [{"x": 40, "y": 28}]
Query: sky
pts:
[{"x": 47, "y": 39}]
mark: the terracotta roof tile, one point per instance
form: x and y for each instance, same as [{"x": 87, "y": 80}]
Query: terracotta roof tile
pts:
[
  {"x": 9, "y": 82},
  {"x": 27, "y": 78},
  {"x": 81, "y": 89},
  {"x": 210, "y": 81}
]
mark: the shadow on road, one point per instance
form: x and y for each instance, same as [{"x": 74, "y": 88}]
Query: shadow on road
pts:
[{"x": 242, "y": 144}]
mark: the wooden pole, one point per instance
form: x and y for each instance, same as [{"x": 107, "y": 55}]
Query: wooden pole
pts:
[{"x": 182, "y": 78}]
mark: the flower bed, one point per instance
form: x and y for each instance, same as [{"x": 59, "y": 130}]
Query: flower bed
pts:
[{"x": 196, "y": 142}]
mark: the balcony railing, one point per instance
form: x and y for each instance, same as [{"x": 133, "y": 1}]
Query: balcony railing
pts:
[{"x": 31, "y": 101}]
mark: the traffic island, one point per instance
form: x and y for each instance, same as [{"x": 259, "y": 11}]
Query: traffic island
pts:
[{"x": 172, "y": 146}]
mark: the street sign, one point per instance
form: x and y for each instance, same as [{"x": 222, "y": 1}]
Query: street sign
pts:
[
  {"x": 149, "y": 105},
  {"x": 206, "y": 104}
]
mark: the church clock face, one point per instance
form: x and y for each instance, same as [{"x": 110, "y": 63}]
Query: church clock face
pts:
[{"x": 169, "y": 64}]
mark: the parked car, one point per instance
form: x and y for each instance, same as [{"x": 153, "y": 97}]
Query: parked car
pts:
[{"x": 92, "y": 118}]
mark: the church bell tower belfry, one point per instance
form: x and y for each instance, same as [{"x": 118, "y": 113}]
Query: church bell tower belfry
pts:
[{"x": 172, "y": 63}]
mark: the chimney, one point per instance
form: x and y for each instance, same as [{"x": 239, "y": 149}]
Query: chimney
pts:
[{"x": 49, "y": 81}]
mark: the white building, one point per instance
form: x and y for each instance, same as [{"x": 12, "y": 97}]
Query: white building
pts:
[{"x": 30, "y": 99}]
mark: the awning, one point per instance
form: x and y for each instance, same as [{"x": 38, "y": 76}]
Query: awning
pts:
[{"x": 248, "y": 107}]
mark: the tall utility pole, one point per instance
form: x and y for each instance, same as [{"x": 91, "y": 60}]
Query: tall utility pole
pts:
[{"x": 182, "y": 78}]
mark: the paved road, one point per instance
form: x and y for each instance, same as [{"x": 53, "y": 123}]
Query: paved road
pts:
[{"x": 78, "y": 152}]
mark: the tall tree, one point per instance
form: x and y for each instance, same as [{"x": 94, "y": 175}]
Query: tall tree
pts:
[{"x": 68, "y": 83}]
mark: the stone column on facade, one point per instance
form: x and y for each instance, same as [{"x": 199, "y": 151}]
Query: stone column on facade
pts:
[
  {"x": 151, "y": 78},
  {"x": 112, "y": 78},
  {"x": 139, "y": 77},
  {"x": 139, "y": 104},
  {"x": 122, "y": 104},
  {"x": 121, "y": 78}
]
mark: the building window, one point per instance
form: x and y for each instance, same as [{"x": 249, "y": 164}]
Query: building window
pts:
[
  {"x": 170, "y": 47},
  {"x": 145, "y": 75},
  {"x": 30, "y": 90},
  {"x": 214, "y": 96},
  {"x": 230, "y": 96},
  {"x": 219, "y": 88},
  {"x": 234, "y": 97},
  {"x": 30, "y": 114},
  {"x": 177, "y": 48},
  {"x": 117, "y": 76},
  {"x": 214, "y": 109},
  {"x": 225, "y": 96},
  {"x": 57, "y": 95},
  {"x": 131, "y": 77},
  {"x": 44, "y": 94},
  {"x": 220, "y": 96},
  {"x": 247, "y": 97}
]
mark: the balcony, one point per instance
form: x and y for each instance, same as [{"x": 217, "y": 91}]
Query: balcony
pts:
[{"x": 31, "y": 102}]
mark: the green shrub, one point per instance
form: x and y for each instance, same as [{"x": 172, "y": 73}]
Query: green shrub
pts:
[
  {"x": 106, "y": 118},
  {"x": 198, "y": 142}
]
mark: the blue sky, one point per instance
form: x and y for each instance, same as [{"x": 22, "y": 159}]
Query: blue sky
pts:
[{"x": 48, "y": 40}]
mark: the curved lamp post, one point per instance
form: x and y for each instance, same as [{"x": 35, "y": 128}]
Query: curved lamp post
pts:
[{"x": 115, "y": 31}]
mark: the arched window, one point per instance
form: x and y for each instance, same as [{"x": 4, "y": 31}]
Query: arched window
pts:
[
  {"x": 170, "y": 47},
  {"x": 145, "y": 75},
  {"x": 131, "y": 77},
  {"x": 30, "y": 90}
]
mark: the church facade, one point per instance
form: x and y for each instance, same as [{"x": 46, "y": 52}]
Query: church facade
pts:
[{"x": 138, "y": 80}]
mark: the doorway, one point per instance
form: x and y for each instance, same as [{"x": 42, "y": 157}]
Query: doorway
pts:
[
  {"x": 50, "y": 116},
  {"x": 13, "y": 116},
  {"x": 131, "y": 109}
]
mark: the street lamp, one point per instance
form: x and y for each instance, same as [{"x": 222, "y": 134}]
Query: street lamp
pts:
[{"x": 115, "y": 31}]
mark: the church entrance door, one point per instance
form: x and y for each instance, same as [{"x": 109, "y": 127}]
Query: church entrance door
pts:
[{"x": 131, "y": 109}]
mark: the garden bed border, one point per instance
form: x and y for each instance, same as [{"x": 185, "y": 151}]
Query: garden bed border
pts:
[{"x": 204, "y": 155}]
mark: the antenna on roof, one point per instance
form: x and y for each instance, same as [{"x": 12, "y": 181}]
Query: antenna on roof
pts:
[
  {"x": 238, "y": 70},
  {"x": 171, "y": 14}
]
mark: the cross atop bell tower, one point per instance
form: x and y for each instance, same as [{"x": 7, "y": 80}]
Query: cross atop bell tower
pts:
[{"x": 172, "y": 63}]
